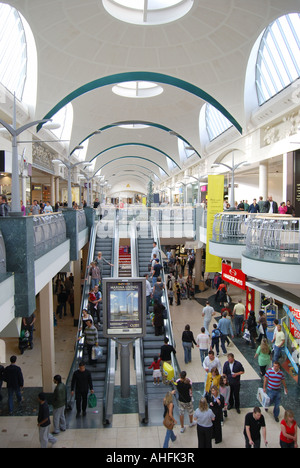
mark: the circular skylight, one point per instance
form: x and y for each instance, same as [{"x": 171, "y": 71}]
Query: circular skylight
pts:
[
  {"x": 148, "y": 12},
  {"x": 137, "y": 89}
]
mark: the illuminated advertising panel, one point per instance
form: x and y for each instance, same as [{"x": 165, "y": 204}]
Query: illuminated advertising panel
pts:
[{"x": 124, "y": 307}]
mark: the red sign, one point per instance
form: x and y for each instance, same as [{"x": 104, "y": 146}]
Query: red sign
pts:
[
  {"x": 294, "y": 330},
  {"x": 233, "y": 276}
]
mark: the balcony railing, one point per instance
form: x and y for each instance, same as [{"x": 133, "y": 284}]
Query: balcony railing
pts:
[
  {"x": 231, "y": 227},
  {"x": 49, "y": 232},
  {"x": 273, "y": 239}
]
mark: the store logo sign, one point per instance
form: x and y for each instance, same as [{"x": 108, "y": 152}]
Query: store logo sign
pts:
[{"x": 233, "y": 276}]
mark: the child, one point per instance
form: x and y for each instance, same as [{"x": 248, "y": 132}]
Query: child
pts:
[
  {"x": 215, "y": 338},
  {"x": 156, "y": 370},
  {"x": 225, "y": 391}
]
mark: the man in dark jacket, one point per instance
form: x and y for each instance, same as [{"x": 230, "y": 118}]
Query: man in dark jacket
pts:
[
  {"x": 59, "y": 403},
  {"x": 13, "y": 377},
  {"x": 233, "y": 370},
  {"x": 81, "y": 383}
]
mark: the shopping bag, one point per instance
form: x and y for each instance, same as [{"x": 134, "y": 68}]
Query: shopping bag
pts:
[
  {"x": 97, "y": 352},
  {"x": 92, "y": 400},
  {"x": 263, "y": 398}
]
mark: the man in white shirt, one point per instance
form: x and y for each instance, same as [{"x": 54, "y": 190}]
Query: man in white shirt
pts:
[
  {"x": 208, "y": 312},
  {"x": 203, "y": 343},
  {"x": 239, "y": 316},
  {"x": 211, "y": 361}
]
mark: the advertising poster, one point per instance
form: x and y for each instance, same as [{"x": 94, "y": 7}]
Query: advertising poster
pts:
[
  {"x": 124, "y": 307},
  {"x": 215, "y": 199}
]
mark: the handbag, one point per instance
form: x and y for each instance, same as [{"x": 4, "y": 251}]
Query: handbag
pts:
[{"x": 168, "y": 421}]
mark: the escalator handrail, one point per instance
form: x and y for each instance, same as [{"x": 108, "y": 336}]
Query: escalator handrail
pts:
[
  {"x": 139, "y": 353},
  {"x": 84, "y": 304},
  {"x": 169, "y": 329},
  {"x": 108, "y": 398}
]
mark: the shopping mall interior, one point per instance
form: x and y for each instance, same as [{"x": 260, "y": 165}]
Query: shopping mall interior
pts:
[{"x": 130, "y": 126}]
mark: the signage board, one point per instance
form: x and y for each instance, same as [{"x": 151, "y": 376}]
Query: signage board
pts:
[
  {"x": 233, "y": 276},
  {"x": 124, "y": 307}
]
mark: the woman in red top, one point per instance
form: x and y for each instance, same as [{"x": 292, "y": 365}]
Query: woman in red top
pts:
[{"x": 288, "y": 435}]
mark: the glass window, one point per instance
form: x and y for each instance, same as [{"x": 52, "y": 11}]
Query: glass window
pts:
[
  {"x": 13, "y": 51},
  {"x": 64, "y": 119},
  {"x": 185, "y": 151},
  {"x": 278, "y": 60},
  {"x": 216, "y": 122}
]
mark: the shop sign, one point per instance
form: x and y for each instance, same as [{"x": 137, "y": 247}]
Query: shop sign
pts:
[
  {"x": 293, "y": 327},
  {"x": 233, "y": 276}
]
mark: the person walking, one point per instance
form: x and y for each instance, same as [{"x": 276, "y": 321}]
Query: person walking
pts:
[
  {"x": 187, "y": 342},
  {"x": 13, "y": 377},
  {"x": 185, "y": 403},
  {"x": 288, "y": 434},
  {"x": 216, "y": 404},
  {"x": 274, "y": 377},
  {"x": 254, "y": 422},
  {"x": 233, "y": 370},
  {"x": 59, "y": 404},
  {"x": 44, "y": 422},
  {"x": 208, "y": 312},
  {"x": 203, "y": 343},
  {"x": 263, "y": 353},
  {"x": 168, "y": 410},
  {"x": 279, "y": 342},
  {"x": 239, "y": 317},
  {"x": 225, "y": 328},
  {"x": 81, "y": 383},
  {"x": 204, "y": 418}
]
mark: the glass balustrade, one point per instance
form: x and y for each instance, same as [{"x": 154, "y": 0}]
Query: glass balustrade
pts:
[{"x": 273, "y": 239}]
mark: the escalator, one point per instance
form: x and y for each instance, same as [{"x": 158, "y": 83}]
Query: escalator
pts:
[
  {"x": 103, "y": 373},
  {"x": 150, "y": 345}
]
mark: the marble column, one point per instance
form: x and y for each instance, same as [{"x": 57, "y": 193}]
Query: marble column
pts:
[
  {"x": 263, "y": 180},
  {"x": 47, "y": 337}
]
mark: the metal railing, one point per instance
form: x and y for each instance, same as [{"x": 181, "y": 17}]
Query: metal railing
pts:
[
  {"x": 273, "y": 239},
  {"x": 108, "y": 399},
  {"x": 165, "y": 301},
  {"x": 231, "y": 227}
]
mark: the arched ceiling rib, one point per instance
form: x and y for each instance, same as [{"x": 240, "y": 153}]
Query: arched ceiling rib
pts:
[
  {"x": 122, "y": 145},
  {"x": 136, "y": 122},
  {"x": 142, "y": 76}
]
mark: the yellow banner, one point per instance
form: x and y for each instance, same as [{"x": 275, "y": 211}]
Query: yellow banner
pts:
[{"x": 215, "y": 199}]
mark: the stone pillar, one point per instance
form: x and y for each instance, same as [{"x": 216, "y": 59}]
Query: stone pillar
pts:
[
  {"x": 57, "y": 197},
  {"x": 263, "y": 180},
  {"x": 47, "y": 337},
  {"x": 52, "y": 196}
]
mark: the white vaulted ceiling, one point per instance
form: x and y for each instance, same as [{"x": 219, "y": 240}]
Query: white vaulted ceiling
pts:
[{"x": 78, "y": 42}]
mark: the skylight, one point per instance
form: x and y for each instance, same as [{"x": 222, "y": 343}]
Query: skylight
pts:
[
  {"x": 148, "y": 12},
  {"x": 278, "y": 61},
  {"x": 137, "y": 89}
]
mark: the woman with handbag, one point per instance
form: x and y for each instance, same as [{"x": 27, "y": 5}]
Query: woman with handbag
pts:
[{"x": 169, "y": 421}]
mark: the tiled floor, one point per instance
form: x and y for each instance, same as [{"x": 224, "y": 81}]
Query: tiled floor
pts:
[{"x": 126, "y": 432}]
